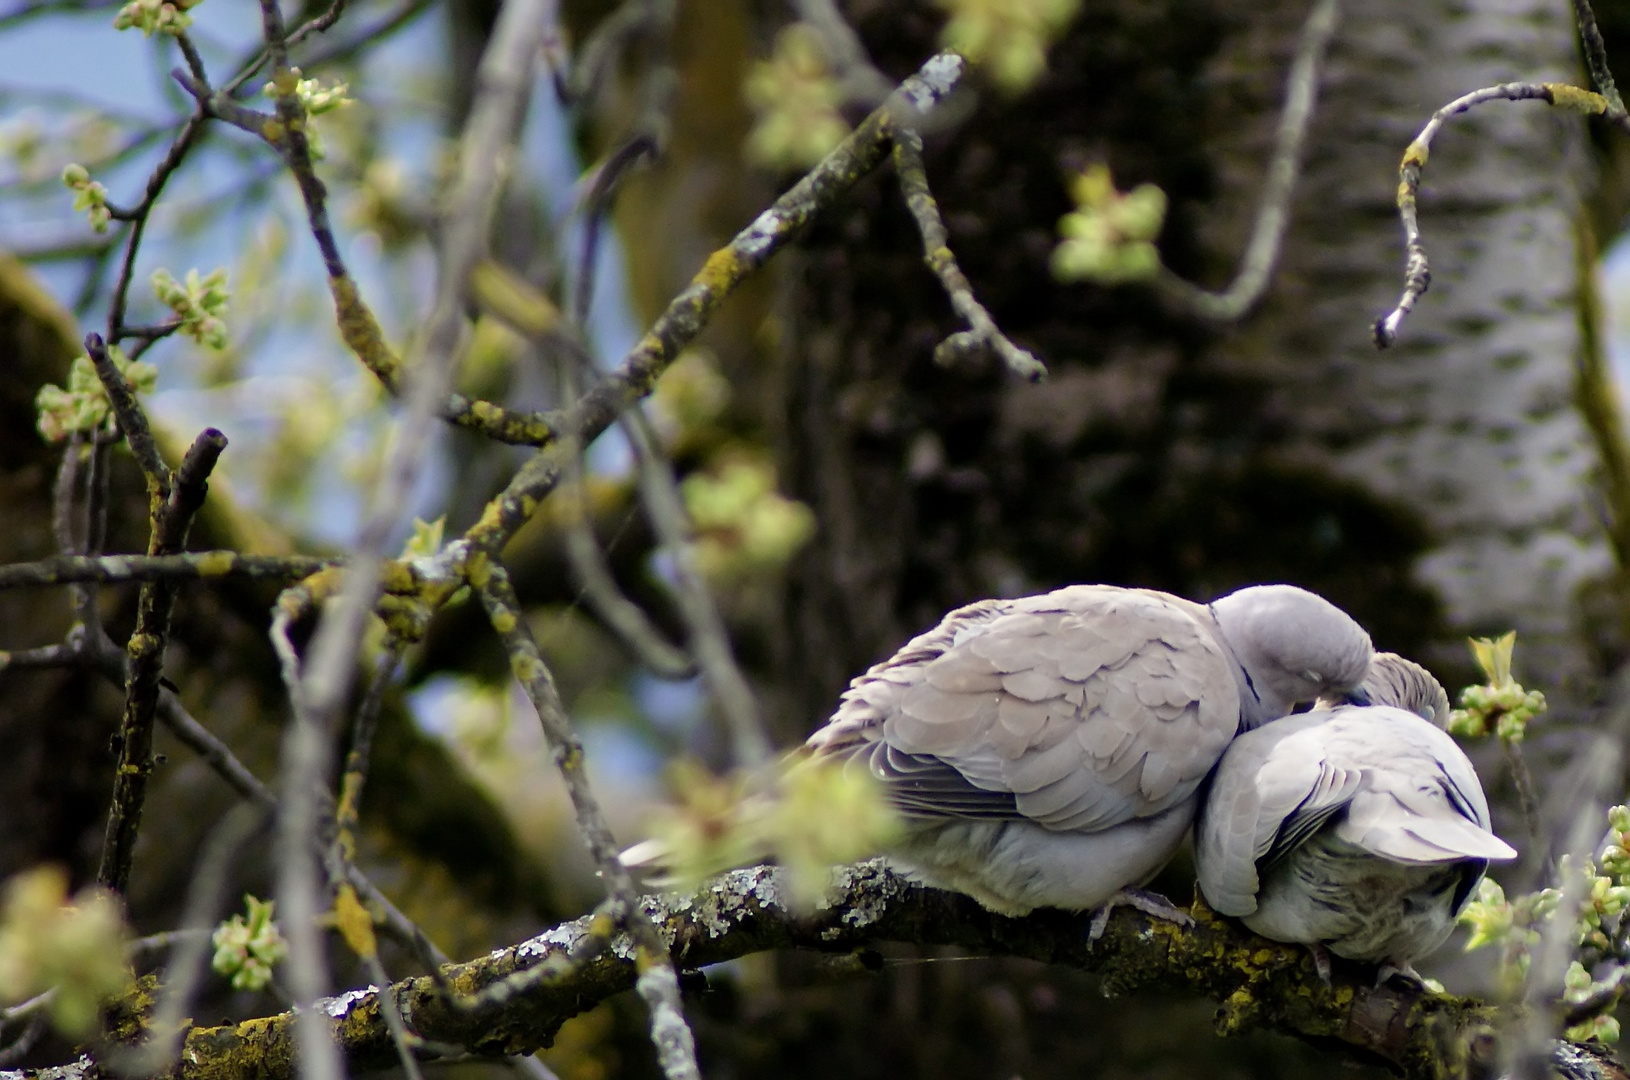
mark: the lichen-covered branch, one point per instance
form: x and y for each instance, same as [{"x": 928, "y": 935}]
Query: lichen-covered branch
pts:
[
  {"x": 1417, "y": 274},
  {"x": 657, "y": 982},
  {"x": 725, "y": 269},
  {"x": 171, "y": 521},
  {"x": 1595, "y": 49},
  {"x": 182, "y": 566},
  {"x": 132, "y": 420},
  {"x": 1258, "y": 984}
]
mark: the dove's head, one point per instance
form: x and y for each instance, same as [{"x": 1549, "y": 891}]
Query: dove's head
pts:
[
  {"x": 1294, "y": 647},
  {"x": 1401, "y": 683}
]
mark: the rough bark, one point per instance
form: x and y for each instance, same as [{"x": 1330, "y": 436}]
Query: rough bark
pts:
[{"x": 1257, "y": 983}]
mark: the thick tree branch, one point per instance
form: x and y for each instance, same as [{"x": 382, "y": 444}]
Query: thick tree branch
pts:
[{"x": 1259, "y": 984}]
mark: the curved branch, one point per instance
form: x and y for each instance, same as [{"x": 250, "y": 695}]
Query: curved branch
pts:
[{"x": 1259, "y": 984}]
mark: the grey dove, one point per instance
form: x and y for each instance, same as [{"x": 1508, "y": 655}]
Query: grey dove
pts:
[
  {"x": 1047, "y": 751},
  {"x": 1359, "y": 830},
  {"x": 1401, "y": 683}
]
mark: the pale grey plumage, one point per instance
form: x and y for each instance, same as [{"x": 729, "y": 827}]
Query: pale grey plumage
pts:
[
  {"x": 1401, "y": 683},
  {"x": 1047, "y": 751},
  {"x": 1361, "y": 829}
]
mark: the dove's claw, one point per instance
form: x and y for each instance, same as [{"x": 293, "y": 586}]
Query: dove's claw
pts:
[
  {"x": 1150, "y": 904},
  {"x": 1321, "y": 962}
]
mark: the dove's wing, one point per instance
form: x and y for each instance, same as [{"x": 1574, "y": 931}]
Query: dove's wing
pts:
[
  {"x": 1426, "y": 806},
  {"x": 1384, "y": 779},
  {"x": 1273, "y": 789},
  {"x": 1078, "y": 710}
]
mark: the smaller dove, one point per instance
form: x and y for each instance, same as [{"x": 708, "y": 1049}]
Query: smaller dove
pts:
[
  {"x": 1361, "y": 830},
  {"x": 1401, "y": 683}
]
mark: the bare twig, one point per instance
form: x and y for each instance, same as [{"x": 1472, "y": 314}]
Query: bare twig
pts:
[
  {"x": 183, "y": 566},
  {"x": 132, "y": 420},
  {"x": 709, "y": 640},
  {"x": 1523, "y": 781},
  {"x": 1273, "y": 208},
  {"x": 205, "y": 904},
  {"x": 861, "y": 81},
  {"x": 1601, "y": 76},
  {"x": 302, "y": 769},
  {"x": 362, "y": 740},
  {"x": 624, "y": 618},
  {"x": 1417, "y": 274},
  {"x": 138, "y": 216},
  {"x": 982, "y": 334},
  {"x": 657, "y": 984},
  {"x": 627, "y": 620},
  {"x": 725, "y": 269},
  {"x": 401, "y": 1038},
  {"x": 182, "y": 496},
  {"x": 504, "y": 77}
]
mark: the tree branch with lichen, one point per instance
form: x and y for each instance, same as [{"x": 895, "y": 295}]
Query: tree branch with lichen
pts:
[{"x": 1259, "y": 985}]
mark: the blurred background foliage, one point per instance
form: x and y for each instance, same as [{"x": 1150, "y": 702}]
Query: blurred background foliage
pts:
[{"x": 844, "y": 489}]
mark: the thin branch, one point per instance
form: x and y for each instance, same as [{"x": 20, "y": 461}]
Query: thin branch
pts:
[
  {"x": 1273, "y": 208},
  {"x": 1523, "y": 781},
  {"x": 64, "y": 500},
  {"x": 859, "y": 77},
  {"x": 626, "y": 619},
  {"x": 171, "y": 521},
  {"x": 303, "y": 766},
  {"x": 195, "y": 62},
  {"x": 1417, "y": 274},
  {"x": 357, "y": 758},
  {"x": 657, "y": 983},
  {"x": 504, "y": 78},
  {"x": 139, "y": 214},
  {"x": 709, "y": 639},
  {"x": 183, "y": 566},
  {"x": 67, "y": 654},
  {"x": 205, "y": 904},
  {"x": 401, "y": 1038},
  {"x": 132, "y": 420},
  {"x": 1601, "y": 76},
  {"x": 724, "y": 270},
  {"x": 982, "y": 334}
]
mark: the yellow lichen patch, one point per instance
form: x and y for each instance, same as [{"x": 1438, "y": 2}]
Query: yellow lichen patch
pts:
[
  {"x": 721, "y": 271},
  {"x": 398, "y": 577},
  {"x": 354, "y": 922},
  {"x": 503, "y": 622},
  {"x": 527, "y": 669},
  {"x": 1415, "y": 154},
  {"x": 360, "y": 330},
  {"x": 492, "y": 521},
  {"x": 215, "y": 563},
  {"x": 1575, "y": 99},
  {"x": 479, "y": 569}
]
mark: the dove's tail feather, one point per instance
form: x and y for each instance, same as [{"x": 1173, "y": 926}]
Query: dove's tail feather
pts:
[{"x": 1422, "y": 840}]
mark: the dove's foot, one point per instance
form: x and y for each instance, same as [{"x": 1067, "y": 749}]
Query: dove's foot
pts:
[
  {"x": 1151, "y": 904},
  {"x": 1405, "y": 972},
  {"x": 1321, "y": 962}
]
